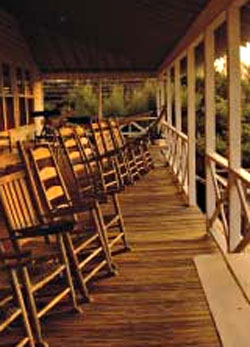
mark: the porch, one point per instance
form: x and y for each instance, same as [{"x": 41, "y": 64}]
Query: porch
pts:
[{"x": 157, "y": 298}]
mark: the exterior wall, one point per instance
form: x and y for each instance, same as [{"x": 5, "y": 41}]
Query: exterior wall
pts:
[{"x": 18, "y": 75}]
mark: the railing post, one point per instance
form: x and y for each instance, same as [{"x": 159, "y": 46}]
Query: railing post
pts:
[
  {"x": 191, "y": 128},
  {"x": 234, "y": 123},
  {"x": 209, "y": 118}
]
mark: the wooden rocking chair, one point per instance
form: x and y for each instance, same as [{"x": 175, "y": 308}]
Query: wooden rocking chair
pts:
[
  {"x": 86, "y": 247},
  {"x": 108, "y": 163},
  {"x": 81, "y": 159},
  {"x": 49, "y": 263},
  {"x": 118, "y": 155},
  {"x": 140, "y": 160}
]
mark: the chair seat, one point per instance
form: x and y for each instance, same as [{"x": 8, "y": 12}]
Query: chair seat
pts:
[{"x": 45, "y": 261}]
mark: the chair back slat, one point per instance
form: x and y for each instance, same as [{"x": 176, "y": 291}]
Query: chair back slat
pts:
[
  {"x": 8, "y": 206},
  {"x": 48, "y": 173},
  {"x": 77, "y": 158},
  {"x": 52, "y": 185},
  {"x": 17, "y": 201},
  {"x": 107, "y": 136},
  {"x": 41, "y": 153},
  {"x": 54, "y": 193},
  {"x": 117, "y": 135},
  {"x": 98, "y": 138}
]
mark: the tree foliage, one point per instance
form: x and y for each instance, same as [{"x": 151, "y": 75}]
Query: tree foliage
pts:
[
  {"x": 121, "y": 101},
  {"x": 221, "y": 102},
  {"x": 85, "y": 100}
]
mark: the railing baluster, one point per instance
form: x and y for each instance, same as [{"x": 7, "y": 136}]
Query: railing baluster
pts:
[{"x": 177, "y": 154}]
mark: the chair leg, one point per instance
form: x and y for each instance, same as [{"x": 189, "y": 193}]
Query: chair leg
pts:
[
  {"x": 102, "y": 230},
  {"x": 76, "y": 308},
  {"x": 119, "y": 172},
  {"x": 121, "y": 224},
  {"x": 32, "y": 310},
  {"x": 75, "y": 267},
  {"x": 20, "y": 300}
]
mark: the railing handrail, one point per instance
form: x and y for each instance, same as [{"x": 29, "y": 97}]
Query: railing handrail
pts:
[
  {"x": 218, "y": 159},
  {"x": 179, "y": 133},
  {"x": 135, "y": 118},
  {"x": 241, "y": 173}
]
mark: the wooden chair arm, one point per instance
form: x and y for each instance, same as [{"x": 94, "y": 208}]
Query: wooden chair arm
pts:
[
  {"x": 77, "y": 207},
  {"x": 15, "y": 255},
  {"x": 14, "y": 265},
  {"x": 137, "y": 140},
  {"x": 14, "y": 260},
  {"x": 108, "y": 154},
  {"x": 52, "y": 228}
]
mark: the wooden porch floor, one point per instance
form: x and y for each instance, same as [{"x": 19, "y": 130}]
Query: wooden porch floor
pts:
[{"x": 157, "y": 299}]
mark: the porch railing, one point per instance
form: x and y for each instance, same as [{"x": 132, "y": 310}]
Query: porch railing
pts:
[
  {"x": 176, "y": 154},
  {"x": 223, "y": 176},
  {"x": 175, "y": 151},
  {"x": 138, "y": 125}
]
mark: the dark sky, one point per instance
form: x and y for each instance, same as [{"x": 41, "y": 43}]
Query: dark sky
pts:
[{"x": 142, "y": 30}]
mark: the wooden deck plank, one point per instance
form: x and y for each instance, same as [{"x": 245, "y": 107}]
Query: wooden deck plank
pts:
[
  {"x": 230, "y": 309},
  {"x": 157, "y": 299}
]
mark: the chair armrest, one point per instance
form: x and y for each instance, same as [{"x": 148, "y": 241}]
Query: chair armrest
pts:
[
  {"x": 14, "y": 260},
  {"x": 68, "y": 210},
  {"x": 108, "y": 154},
  {"x": 15, "y": 255},
  {"x": 52, "y": 228},
  {"x": 15, "y": 265}
]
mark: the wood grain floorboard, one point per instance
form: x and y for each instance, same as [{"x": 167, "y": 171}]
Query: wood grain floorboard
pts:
[{"x": 157, "y": 299}]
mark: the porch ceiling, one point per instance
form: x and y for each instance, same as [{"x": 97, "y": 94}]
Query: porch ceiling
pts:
[{"x": 97, "y": 35}]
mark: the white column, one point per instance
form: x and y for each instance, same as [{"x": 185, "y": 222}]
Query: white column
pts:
[
  {"x": 234, "y": 123},
  {"x": 162, "y": 93},
  {"x": 38, "y": 96},
  {"x": 177, "y": 84},
  {"x": 169, "y": 98},
  {"x": 191, "y": 128},
  {"x": 209, "y": 116},
  {"x": 38, "y": 106},
  {"x": 165, "y": 87}
]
